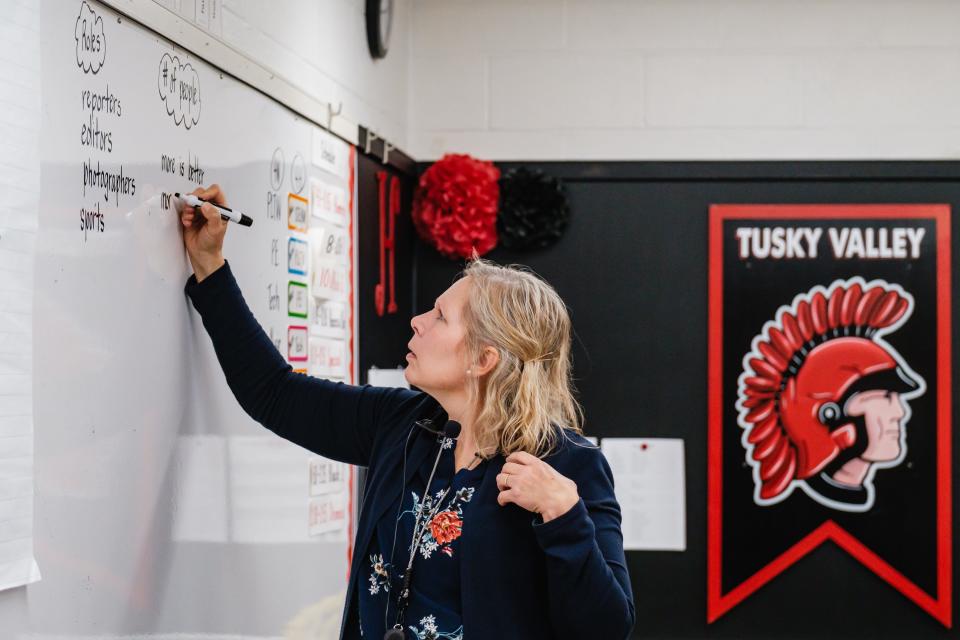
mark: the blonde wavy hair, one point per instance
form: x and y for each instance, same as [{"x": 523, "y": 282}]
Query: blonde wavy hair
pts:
[{"x": 529, "y": 393}]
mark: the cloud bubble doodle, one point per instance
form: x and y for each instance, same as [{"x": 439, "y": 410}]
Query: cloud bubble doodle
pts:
[
  {"x": 179, "y": 87},
  {"x": 91, "y": 41}
]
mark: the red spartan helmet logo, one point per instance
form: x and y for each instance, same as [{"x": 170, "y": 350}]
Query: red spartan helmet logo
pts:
[{"x": 803, "y": 370}]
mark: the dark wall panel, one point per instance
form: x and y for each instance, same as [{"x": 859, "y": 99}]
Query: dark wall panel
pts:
[
  {"x": 383, "y": 339},
  {"x": 633, "y": 269}
]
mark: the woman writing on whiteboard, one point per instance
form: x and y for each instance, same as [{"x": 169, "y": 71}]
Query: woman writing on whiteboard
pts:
[{"x": 486, "y": 514}]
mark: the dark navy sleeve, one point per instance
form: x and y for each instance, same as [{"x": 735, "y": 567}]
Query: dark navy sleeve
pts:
[
  {"x": 335, "y": 420},
  {"x": 588, "y": 584}
]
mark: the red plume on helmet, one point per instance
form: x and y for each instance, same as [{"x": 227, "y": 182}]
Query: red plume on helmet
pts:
[{"x": 795, "y": 378}]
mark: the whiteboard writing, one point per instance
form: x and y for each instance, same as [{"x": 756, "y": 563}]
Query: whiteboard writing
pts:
[
  {"x": 274, "y": 206},
  {"x": 92, "y": 220},
  {"x": 276, "y": 169},
  {"x": 111, "y": 182},
  {"x": 297, "y": 256},
  {"x": 179, "y": 87},
  {"x": 95, "y": 104},
  {"x": 298, "y": 174},
  {"x": 91, "y": 43}
]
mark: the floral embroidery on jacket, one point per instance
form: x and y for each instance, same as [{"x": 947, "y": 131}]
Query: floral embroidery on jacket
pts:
[
  {"x": 428, "y": 631},
  {"x": 446, "y": 527},
  {"x": 439, "y": 529},
  {"x": 379, "y": 577}
]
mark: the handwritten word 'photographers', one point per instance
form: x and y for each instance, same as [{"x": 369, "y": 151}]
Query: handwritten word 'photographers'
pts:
[{"x": 109, "y": 182}]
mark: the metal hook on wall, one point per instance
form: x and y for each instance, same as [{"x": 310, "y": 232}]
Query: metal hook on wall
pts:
[
  {"x": 368, "y": 146},
  {"x": 331, "y": 113},
  {"x": 368, "y": 143}
]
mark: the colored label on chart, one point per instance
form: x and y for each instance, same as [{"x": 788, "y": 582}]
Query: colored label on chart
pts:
[
  {"x": 297, "y": 344},
  {"x": 297, "y": 299},
  {"x": 297, "y": 208},
  {"x": 297, "y": 254}
]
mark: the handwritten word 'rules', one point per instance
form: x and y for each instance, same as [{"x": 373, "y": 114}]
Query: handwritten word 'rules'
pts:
[
  {"x": 179, "y": 87},
  {"x": 91, "y": 42}
]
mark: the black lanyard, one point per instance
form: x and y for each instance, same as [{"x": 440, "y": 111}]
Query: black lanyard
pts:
[
  {"x": 403, "y": 597},
  {"x": 396, "y": 632},
  {"x": 421, "y": 523}
]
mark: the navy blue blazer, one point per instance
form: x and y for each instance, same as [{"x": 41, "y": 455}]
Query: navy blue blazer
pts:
[{"x": 521, "y": 578}]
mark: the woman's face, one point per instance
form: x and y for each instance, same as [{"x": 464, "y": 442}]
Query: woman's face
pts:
[{"x": 437, "y": 360}]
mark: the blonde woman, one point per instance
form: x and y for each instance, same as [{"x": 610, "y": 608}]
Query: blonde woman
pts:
[{"x": 486, "y": 514}]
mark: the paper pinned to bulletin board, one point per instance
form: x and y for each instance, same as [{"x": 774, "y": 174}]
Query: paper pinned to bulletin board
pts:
[{"x": 648, "y": 474}]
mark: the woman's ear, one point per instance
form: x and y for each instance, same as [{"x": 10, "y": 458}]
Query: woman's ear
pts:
[{"x": 489, "y": 358}]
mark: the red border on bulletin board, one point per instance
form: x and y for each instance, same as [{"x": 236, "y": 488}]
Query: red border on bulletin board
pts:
[{"x": 351, "y": 186}]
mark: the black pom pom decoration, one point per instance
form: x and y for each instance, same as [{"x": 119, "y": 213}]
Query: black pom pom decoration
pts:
[{"x": 534, "y": 211}]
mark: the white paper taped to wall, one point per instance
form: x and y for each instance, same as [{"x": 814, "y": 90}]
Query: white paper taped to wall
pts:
[
  {"x": 19, "y": 221},
  {"x": 387, "y": 378},
  {"x": 648, "y": 474}
]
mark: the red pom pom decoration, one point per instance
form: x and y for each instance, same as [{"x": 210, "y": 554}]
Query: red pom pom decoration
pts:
[{"x": 455, "y": 207}]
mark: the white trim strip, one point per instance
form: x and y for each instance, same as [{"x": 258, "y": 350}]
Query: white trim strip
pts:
[{"x": 208, "y": 47}]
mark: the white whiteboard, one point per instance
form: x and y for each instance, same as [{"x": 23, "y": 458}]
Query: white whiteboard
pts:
[{"x": 161, "y": 509}]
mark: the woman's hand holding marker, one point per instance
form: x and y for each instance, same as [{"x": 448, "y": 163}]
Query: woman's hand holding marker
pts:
[{"x": 204, "y": 230}]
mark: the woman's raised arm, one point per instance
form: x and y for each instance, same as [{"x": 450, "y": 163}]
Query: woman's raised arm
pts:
[{"x": 335, "y": 420}]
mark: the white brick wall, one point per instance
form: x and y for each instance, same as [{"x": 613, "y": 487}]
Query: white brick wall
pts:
[
  {"x": 560, "y": 90},
  {"x": 321, "y": 46},
  {"x": 627, "y": 79},
  {"x": 685, "y": 79}
]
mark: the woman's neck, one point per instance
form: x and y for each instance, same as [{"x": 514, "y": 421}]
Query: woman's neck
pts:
[{"x": 466, "y": 448}]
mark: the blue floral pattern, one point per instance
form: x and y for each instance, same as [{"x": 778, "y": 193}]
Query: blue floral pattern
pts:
[
  {"x": 427, "y": 630},
  {"x": 379, "y": 576}
]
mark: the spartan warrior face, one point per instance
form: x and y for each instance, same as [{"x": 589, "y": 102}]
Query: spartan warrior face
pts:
[{"x": 823, "y": 398}]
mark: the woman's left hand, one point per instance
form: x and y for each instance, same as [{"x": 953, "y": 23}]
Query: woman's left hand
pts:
[{"x": 536, "y": 486}]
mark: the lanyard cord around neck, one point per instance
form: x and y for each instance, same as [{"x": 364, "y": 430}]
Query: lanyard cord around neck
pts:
[
  {"x": 419, "y": 528},
  {"x": 404, "y": 595}
]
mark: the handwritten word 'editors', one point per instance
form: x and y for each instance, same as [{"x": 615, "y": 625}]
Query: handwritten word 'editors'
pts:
[{"x": 95, "y": 104}]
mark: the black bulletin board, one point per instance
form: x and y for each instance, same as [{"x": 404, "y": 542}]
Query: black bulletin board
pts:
[
  {"x": 383, "y": 338},
  {"x": 632, "y": 267}
]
